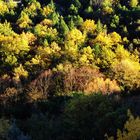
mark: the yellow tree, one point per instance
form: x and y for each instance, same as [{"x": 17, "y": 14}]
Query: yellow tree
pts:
[
  {"x": 131, "y": 129},
  {"x": 133, "y": 3},
  {"x": 74, "y": 39},
  {"x": 24, "y": 21},
  {"x": 12, "y": 47},
  {"x": 88, "y": 26}
]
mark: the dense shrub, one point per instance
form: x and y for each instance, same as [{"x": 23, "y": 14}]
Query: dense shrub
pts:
[
  {"x": 4, "y": 127},
  {"x": 91, "y": 117},
  {"x": 15, "y": 133}
]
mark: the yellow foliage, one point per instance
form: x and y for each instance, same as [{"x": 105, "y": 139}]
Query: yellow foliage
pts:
[
  {"x": 36, "y": 60},
  {"x": 60, "y": 67},
  {"x": 7, "y": 7},
  {"x": 103, "y": 39},
  {"x": 121, "y": 65},
  {"x": 87, "y": 50},
  {"x": 107, "y": 6},
  {"x": 106, "y": 58},
  {"x": 71, "y": 51},
  {"x": 73, "y": 41},
  {"x": 127, "y": 72},
  {"x": 122, "y": 53},
  {"x": 126, "y": 67},
  {"x": 47, "y": 52},
  {"x": 107, "y": 10},
  {"x": 24, "y": 21},
  {"x": 64, "y": 67},
  {"x": 44, "y": 31},
  {"x": 133, "y": 3},
  {"x": 47, "y": 22},
  {"x": 47, "y": 10},
  {"x": 31, "y": 37},
  {"x": 125, "y": 40},
  {"x": 87, "y": 56},
  {"x": 31, "y": 9},
  {"x": 14, "y": 44},
  {"x": 99, "y": 84},
  {"x": 20, "y": 71},
  {"x": 107, "y": 39},
  {"x": 55, "y": 48},
  {"x": 89, "y": 26},
  {"x": 116, "y": 38},
  {"x": 131, "y": 129},
  {"x": 11, "y": 4},
  {"x": 83, "y": 59},
  {"x": 3, "y": 8},
  {"x": 6, "y": 29},
  {"x": 75, "y": 36}
]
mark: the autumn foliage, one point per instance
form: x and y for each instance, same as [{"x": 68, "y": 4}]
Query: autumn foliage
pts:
[{"x": 66, "y": 65}]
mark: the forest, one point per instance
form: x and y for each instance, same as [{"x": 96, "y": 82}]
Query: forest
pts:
[{"x": 69, "y": 70}]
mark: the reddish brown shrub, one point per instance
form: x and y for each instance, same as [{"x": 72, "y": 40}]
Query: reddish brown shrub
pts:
[
  {"x": 82, "y": 79},
  {"x": 41, "y": 84},
  {"x": 10, "y": 95},
  {"x": 78, "y": 78}
]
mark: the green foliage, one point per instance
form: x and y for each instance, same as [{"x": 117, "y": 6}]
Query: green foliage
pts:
[
  {"x": 63, "y": 27},
  {"x": 16, "y": 134},
  {"x": 40, "y": 127},
  {"x": 89, "y": 117},
  {"x": 115, "y": 21},
  {"x": 99, "y": 26},
  {"x": 4, "y": 127},
  {"x": 73, "y": 10}
]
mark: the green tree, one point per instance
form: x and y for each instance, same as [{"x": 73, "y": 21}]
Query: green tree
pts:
[
  {"x": 99, "y": 26},
  {"x": 63, "y": 28},
  {"x": 4, "y": 127},
  {"x": 73, "y": 10},
  {"x": 90, "y": 117}
]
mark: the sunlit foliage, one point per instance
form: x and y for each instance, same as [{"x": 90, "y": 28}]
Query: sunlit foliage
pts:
[
  {"x": 131, "y": 129},
  {"x": 7, "y": 8},
  {"x": 56, "y": 56},
  {"x": 89, "y": 26},
  {"x": 24, "y": 21}
]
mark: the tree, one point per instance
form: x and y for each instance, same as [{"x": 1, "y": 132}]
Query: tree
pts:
[
  {"x": 6, "y": 29},
  {"x": 63, "y": 28},
  {"x": 24, "y": 21},
  {"x": 16, "y": 134},
  {"x": 99, "y": 26},
  {"x": 133, "y": 3},
  {"x": 131, "y": 129},
  {"x": 4, "y": 127},
  {"x": 89, "y": 26}
]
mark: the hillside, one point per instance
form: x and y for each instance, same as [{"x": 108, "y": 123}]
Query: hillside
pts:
[{"x": 69, "y": 69}]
